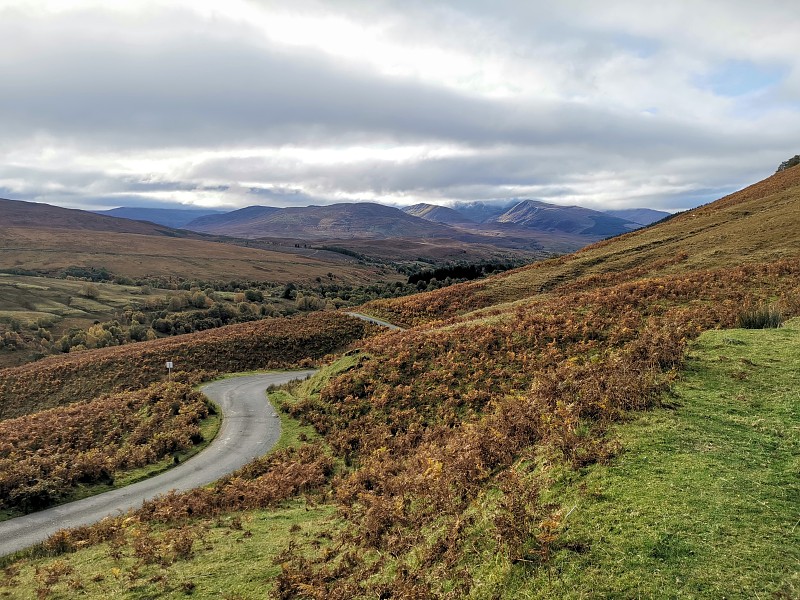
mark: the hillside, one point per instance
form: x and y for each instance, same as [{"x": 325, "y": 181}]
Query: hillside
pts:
[
  {"x": 437, "y": 214},
  {"x": 336, "y": 221},
  {"x": 758, "y": 224},
  {"x": 564, "y": 219},
  {"x": 169, "y": 217},
  {"x": 43, "y": 239},
  {"x": 230, "y": 220},
  {"x": 479, "y": 453},
  {"x": 18, "y": 214}
]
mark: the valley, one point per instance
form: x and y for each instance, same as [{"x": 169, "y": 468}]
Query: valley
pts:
[{"x": 523, "y": 434}]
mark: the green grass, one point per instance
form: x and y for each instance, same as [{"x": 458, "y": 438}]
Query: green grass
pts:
[
  {"x": 232, "y": 557},
  {"x": 293, "y": 433},
  {"x": 704, "y": 500}
]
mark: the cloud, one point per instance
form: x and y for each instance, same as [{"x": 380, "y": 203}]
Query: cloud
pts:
[{"x": 606, "y": 104}]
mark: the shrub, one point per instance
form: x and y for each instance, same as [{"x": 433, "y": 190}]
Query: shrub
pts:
[
  {"x": 90, "y": 291},
  {"x": 762, "y": 317},
  {"x": 788, "y": 164}
]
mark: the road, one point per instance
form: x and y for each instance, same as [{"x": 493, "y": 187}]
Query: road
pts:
[
  {"x": 250, "y": 427},
  {"x": 364, "y": 317}
]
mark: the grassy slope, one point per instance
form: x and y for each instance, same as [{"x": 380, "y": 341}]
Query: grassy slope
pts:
[
  {"x": 137, "y": 255},
  {"x": 705, "y": 499},
  {"x": 702, "y": 503},
  {"x": 756, "y": 224}
]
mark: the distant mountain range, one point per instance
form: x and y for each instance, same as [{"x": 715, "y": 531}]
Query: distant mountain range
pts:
[
  {"x": 367, "y": 220},
  {"x": 437, "y": 214},
  {"x": 641, "y": 216},
  {"x": 169, "y": 217},
  {"x": 541, "y": 216},
  {"x": 359, "y": 220}
]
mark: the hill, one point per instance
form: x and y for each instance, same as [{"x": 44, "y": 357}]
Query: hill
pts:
[
  {"x": 640, "y": 216},
  {"x": 233, "y": 219},
  {"x": 365, "y": 220},
  {"x": 16, "y": 213},
  {"x": 383, "y": 232},
  {"x": 564, "y": 219},
  {"x": 169, "y": 217},
  {"x": 758, "y": 224},
  {"x": 43, "y": 239},
  {"x": 437, "y": 214}
]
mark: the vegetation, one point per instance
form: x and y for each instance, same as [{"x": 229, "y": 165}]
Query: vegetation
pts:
[
  {"x": 273, "y": 343},
  {"x": 703, "y": 502},
  {"x": 762, "y": 317},
  {"x": 45, "y": 457},
  {"x": 43, "y": 316},
  {"x": 788, "y": 164},
  {"x": 487, "y": 451},
  {"x": 229, "y": 556}
]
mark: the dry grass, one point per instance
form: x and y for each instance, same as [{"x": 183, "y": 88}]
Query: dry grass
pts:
[
  {"x": 135, "y": 255},
  {"x": 758, "y": 224}
]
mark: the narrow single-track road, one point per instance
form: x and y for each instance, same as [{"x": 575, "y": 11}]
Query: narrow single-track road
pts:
[
  {"x": 250, "y": 427},
  {"x": 369, "y": 319}
]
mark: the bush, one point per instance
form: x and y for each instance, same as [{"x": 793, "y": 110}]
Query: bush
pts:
[
  {"x": 90, "y": 291},
  {"x": 763, "y": 317},
  {"x": 787, "y": 164}
]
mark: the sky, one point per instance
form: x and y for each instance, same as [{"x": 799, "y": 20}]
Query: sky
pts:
[{"x": 196, "y": 103}]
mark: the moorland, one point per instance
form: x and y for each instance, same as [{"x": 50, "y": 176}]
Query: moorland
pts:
[{"x": 619, "y": 421}]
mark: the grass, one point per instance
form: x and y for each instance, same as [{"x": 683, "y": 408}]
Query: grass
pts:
[
  {"x": 703, "y": 502},
  {"x": 232, "y": 557}
]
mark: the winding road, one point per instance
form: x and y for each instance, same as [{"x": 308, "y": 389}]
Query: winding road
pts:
[
  {"x": 369, "y": 319},
  {"x": 250, "y": 427}
]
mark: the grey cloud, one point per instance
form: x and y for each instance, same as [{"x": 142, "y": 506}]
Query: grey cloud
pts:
[
  {"x": 188, "y": 92},
  {"x": 91, "y": 82}
]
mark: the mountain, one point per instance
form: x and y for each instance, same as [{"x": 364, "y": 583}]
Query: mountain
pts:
[
  {"x": 437, "y": 214},
  {"x": 566, "y": 219},
  {"x": 232, "y": 219},
  {"x": 482, "y": 211},
  {"x": 16, "y": 213},
  {"x": 43, "y": 239},
  {"x": 640, "y": 216},
  {"x": 169, "y": 217},
  {"x": 356, "y": 220},
  {"x": 756, "y": 225}
]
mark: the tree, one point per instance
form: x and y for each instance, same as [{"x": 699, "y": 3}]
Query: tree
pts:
[{"x": 788, "y": 164}]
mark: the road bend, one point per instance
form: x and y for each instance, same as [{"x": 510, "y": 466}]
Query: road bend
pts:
[{"x": 250, "y": 427}]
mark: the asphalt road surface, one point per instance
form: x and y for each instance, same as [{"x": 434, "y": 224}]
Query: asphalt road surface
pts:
[
  {"x": 250, "y": 427},
  {"x": 369, "y": 319}
]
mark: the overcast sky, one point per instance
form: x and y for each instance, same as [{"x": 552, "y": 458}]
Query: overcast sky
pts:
[{"x": 230, "y": 103}]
